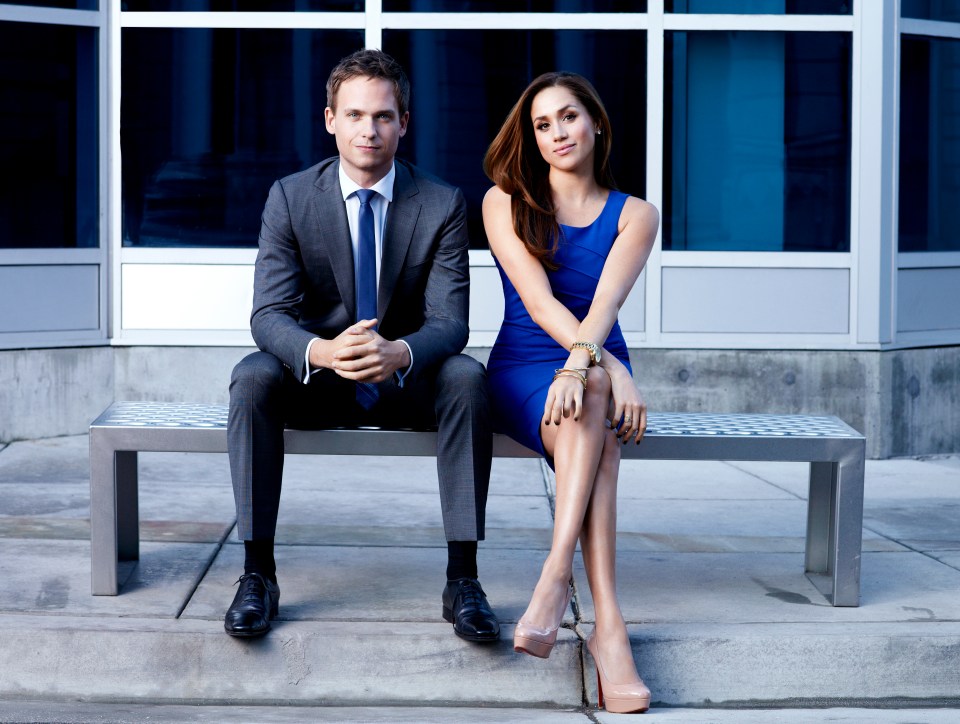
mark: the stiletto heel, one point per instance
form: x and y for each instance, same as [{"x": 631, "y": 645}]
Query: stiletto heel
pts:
[
  {"x": 633, "y": 696},
  {"x": 536, "y": 640}
]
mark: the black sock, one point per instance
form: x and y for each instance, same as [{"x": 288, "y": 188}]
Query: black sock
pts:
[
  {"x": 259, "y": 558},
  {"x": 461, "y": 559}
]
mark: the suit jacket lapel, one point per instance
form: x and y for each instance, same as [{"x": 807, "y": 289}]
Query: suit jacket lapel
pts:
[
  {"x": 400, "y": 224},
  {"x": 334, "y": 234}
]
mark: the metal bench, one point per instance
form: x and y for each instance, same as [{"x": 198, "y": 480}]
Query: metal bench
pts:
[{"x": 834, "y": 450}]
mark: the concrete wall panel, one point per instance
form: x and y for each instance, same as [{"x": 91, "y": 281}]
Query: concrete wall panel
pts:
[
  {"x": 762, "y": 381},
  {"x": 920, "y": 394},
  {"x": 50, "y": 392},
  {"x": 176, "y": 374},
  {"x": 907, "y": 402}
]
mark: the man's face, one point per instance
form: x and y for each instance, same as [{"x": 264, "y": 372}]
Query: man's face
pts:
[{"x": 368, "y": 126}]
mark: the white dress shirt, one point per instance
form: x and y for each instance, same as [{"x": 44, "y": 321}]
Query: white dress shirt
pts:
[{"x": 379, "y": 205}]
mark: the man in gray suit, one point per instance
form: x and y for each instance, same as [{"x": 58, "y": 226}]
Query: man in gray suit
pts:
[{"x": 360, "y": 314}]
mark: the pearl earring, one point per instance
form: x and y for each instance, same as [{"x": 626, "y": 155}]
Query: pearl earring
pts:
[{"x": 599, "y": 131}]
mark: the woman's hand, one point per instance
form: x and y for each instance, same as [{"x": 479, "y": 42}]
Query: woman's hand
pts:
[
  {"x": 627, "y": 403},
  {"x": 564, "y": 398}
]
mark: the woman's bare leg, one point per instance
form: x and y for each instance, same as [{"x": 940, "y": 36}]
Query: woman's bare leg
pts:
[
  {"x": 576, "y": 447},
  {"x": 598, "y": 542}
]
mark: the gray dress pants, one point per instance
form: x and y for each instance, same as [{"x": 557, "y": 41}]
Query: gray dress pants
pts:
[{"x": 265, "y": 397}]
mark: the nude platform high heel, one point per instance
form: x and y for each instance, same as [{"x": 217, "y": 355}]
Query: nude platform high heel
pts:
[
  {"x": 633, "y": 696},
  {"x": 535, "y": 640}
]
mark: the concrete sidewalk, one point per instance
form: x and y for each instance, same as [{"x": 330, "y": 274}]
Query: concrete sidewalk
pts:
[{"x": 711, "y": 581}]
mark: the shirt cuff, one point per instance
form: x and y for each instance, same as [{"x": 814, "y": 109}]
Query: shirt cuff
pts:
[
  {"x": 402, "y": 375},
  {"x": 306, "y": 361}
]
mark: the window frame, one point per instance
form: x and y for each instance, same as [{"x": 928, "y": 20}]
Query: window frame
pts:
[{"x": 58, "y": 259}]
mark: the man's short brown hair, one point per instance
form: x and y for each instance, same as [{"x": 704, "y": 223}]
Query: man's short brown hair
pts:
[{"x": 370, "y": 64}]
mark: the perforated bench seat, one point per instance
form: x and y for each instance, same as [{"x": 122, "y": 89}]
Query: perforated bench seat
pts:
[{"x": 834, "y": 450}]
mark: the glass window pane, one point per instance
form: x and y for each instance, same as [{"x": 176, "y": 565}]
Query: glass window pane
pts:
[
  {"x": 210, "y": 118},
  {"x": 465, "y": 82},
  {"x": 931, "y": 9},
  {"x": 48, "y": 136},
  {"x": 757, "y": 141},
  {"x": 159, "y": 6},
  {"x": 929, "y": 144},
  {"x": 761, "y": 7},
  {"x": 516, "y": 6}
]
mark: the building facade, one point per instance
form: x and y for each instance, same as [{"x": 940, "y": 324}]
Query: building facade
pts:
[{"x": 804, "y": 154}]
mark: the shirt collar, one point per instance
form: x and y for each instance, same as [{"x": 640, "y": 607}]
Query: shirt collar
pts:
[{"x": 384, "y": 186}]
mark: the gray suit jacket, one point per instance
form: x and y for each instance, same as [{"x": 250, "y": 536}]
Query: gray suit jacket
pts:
[{"x": 304, "y": 276}]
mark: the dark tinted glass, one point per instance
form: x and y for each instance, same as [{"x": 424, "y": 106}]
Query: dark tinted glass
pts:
[
  {"x": 517, "y": 6},
  {"x": 48, "y": 136},
  {"x": 762, "y": 7},
  {"x": 465, "y": 82},
  {"x": 757, "y": 141},
  {"x": 930, "y": 9},
  {"x": 929, "y": 144},
  {"x": 210, "y": 118},
  {"x": 241, "y": 5}
]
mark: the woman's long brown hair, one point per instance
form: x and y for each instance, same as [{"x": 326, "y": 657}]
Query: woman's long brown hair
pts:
[{"x": 514, "y": 163}]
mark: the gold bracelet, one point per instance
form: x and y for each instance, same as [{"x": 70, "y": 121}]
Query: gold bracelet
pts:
[
  {"x": 592, "y": 348},
  {"x": 579, "y": 372}
]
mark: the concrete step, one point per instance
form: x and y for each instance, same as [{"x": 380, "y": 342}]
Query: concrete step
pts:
[{"x": 315, "y": 663}]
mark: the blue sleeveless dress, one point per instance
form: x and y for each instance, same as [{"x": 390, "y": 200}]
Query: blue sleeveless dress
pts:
[{"x": 524, "y": 357}]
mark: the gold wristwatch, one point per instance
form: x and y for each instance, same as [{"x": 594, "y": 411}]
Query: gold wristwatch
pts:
[{"x": 593, "y": 349}]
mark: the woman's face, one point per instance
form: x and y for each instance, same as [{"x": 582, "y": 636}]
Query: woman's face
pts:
[{"x": 565, "y": 132}]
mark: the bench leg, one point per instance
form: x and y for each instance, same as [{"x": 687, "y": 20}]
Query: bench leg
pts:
[
  {"x": 114, "y": 514},
  {"x": 103, "y": 518},
  {"x": 128, "y": 506},
  {"x": 823, "y": 482},
  {"x": 835, "y": 526},
  {"x": 848, "y": 536}
]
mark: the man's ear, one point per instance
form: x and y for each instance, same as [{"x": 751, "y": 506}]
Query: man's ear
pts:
[
  {"x": 404, "y": 120},
  {"x": 330, "y": 117}
]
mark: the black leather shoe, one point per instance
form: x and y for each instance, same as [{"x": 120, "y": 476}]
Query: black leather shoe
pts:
[
  {"x": 465, "y": 606},
  {"x": 252, "y": 608}
]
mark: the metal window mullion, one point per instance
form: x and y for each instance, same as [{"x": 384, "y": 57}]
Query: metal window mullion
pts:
[
  {"x": 930, "y": 28},
  {"x": 656, "y": 98},
  {"x": 190, "y": 256},
  {"x": 373, "y": 24},
  {"x": 245, "y": 20},
  {"x": 49, "y": 16},
  {"x": 793, "y": 23},
  {"x": 758, "y": 259},
  {"x": 111, "y": 147},
  {"x": 513, "y": 21},
  {"x": 873, "y": 179},
  {"x": 928, "y": 259},
  {"x": 26, "y": 256},
  {"x": 103, "y": 171}
]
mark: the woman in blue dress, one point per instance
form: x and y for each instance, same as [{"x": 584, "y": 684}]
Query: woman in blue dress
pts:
[{"x": 569, "y": 248}]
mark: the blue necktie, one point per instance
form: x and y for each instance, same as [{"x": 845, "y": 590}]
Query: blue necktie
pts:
[{"x": 367, "y": 394}]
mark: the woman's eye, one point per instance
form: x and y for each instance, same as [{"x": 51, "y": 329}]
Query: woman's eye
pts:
[{"x": 543, "y": 126}]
